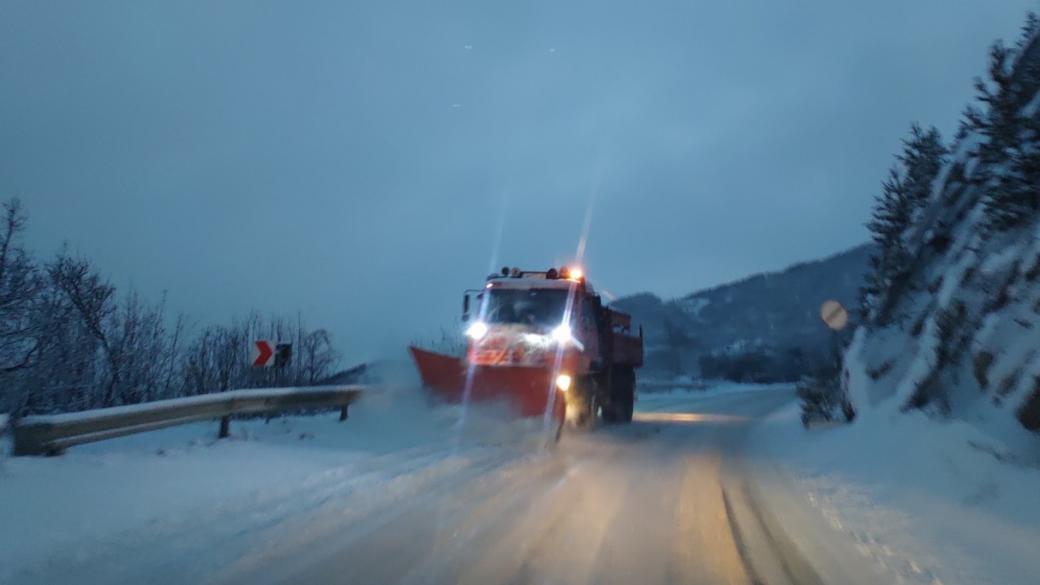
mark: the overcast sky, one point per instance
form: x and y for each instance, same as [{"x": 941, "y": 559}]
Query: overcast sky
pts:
[{"x": 363, "y": 163}]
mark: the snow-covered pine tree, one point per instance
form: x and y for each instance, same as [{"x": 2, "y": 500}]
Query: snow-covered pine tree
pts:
[
  {"x": 923, "y": 155},
  {"x": 903, "y": 195},
  {"x": 1010, "y": 169},
  {"x": 870, "y": 290},
  {"x": 1029, "y": 30},
  {"x": 888, "y": 223}
]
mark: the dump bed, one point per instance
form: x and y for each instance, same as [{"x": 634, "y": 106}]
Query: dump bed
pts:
[{"x": 626, "y": 347}]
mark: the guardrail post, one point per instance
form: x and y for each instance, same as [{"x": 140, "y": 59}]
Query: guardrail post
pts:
[
  {"x": 343, "y": 413},
  {"x": 225, "y": 427}
]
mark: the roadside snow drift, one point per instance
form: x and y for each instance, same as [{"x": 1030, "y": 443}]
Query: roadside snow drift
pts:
[{"x": 923, "y": 501}]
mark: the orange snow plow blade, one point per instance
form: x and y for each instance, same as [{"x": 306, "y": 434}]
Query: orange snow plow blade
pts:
[{"x": 525, "y": 388}]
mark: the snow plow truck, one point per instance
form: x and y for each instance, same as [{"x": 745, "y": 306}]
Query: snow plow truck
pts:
[{"x": 544, "y": 343}]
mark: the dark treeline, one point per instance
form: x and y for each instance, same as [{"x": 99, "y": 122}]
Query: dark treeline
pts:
[
  {"x": 764, "y": 365},
  {"x": 69, "y": 340}
]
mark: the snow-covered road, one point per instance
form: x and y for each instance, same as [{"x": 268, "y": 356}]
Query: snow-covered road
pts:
[
  {"x": 396, "y": 495},
  {"x": 637, "y": 504},
  {"x": 722, "y": 486}
]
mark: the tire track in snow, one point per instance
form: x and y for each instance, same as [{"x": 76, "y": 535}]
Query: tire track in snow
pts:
[{"x": 347, "y": 493}]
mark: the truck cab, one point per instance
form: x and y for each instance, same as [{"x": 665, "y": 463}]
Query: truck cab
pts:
[{"x": 554, "y": 320}]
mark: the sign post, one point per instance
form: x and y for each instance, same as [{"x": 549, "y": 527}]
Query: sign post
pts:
[
  {"x": 836, "y": 317},
  {"x": 282, "y": 355}
]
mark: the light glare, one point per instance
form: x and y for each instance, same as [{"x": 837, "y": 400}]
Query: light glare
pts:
[
  {"x": 477, "y": 330},
  {"x": 562, "y": 333},
  {"x": 563, "y": 382}
]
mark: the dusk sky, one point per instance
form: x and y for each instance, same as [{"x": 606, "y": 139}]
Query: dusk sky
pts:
[{"x": 363, "y": 163}]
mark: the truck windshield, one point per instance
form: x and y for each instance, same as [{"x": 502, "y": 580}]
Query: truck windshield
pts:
[{"x": 530, "y": 307}]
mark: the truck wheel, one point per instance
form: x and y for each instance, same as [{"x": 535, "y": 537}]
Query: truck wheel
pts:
[
  {"x": 624, "y": 393},
  {"x": 581, "y": 405},
  {"x": 621, "y": 399},
  {"x": 609, "y": 410}
]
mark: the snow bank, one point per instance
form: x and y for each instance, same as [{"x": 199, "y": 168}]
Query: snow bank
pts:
[{"x": 923, "y": 501}]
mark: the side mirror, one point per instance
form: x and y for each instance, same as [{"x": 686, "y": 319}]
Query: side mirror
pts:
[{"x": 465, "y": 307}]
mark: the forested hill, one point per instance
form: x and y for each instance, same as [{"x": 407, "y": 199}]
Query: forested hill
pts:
[{"x": 763, "y": 327}]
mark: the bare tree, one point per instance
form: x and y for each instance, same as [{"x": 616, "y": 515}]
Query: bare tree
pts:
[
  {"x": 92, "y": 298},
  {"x": 316, "y": 356},
  {"x": 69, "y": 342},
  {"x": 218, "y": 359},
  {"x": 145, "y": 349},
  {"x": 20, "y": 286},
  {"x": 65, "y": 371}
]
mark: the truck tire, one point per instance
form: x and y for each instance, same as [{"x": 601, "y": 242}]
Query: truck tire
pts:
[
  {"x": 622, "y": 397},
  {"x": 625, "y": 391},
  {"x": 582, "y": 403},
  {"x": 609, "y": 411}
]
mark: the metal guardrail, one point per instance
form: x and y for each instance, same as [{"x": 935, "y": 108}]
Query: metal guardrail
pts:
[{"x": 52, "y": 434}]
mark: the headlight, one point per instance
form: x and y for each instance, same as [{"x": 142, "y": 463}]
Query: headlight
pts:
[
  {"x": 477, "y": 330},
  {"x": 562, "y": 333},
  {"x": 563, "y": 382}
]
